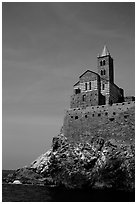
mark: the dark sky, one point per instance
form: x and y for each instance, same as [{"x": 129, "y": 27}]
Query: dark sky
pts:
[{"x": 46, "y": 47}]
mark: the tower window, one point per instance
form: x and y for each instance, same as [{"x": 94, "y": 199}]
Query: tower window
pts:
[
  {"x": 86, "y": 86},
  {"x": 90, "y": 85},
  {"x": 104, "y": 62},
  {"x": 101, "y": 72}
]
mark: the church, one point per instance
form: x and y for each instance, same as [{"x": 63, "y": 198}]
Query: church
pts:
[{"x": 95, "y": 89}]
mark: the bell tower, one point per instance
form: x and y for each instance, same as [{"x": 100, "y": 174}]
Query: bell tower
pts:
[{"x": 105, "y": 66}]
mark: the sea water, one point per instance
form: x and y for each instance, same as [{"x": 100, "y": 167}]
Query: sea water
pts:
[{"x": 35, "y": 193}]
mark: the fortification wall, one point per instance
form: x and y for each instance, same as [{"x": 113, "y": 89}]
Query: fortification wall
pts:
[{"x": 80, "y": 124}]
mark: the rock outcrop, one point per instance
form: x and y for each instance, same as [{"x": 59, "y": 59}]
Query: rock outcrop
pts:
[
  {"x": 98, "y": 164},
  {"x": 102, "y": 161}
]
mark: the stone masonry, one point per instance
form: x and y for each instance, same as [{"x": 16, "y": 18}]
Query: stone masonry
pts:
[
  {"x": 96, "y": 100},
  {"x": 97, "y": 88}
]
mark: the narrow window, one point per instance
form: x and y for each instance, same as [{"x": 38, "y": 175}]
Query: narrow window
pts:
[
  {"x": 101, "y": 72},
  {"x": 103, "y": 86},
  {"x": 104, "y": 72},
  {"x": 86, "y": 86},
  {"x": 104, "y": 62},
  {"x": 100, "y": 63},
  {"x": 90, "y": 85}
]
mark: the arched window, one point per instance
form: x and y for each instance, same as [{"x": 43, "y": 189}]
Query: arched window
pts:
[
  {"x": 104, "y": 62},
  {"x": 103, "y": 86},
  {"x": 100, "y": 63},
  {"x": 101, "y": 72},
  {"x": 90, "y": 85},
  {"x": 86, "y": 86}
]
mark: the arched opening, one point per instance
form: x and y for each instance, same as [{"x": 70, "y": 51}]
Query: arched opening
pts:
[
  {"x": 104, "y": 62},
  {"x": 90, "y": 85},
  {"x": 86, "y": 86},
  {"x": 103, "y": 86}
]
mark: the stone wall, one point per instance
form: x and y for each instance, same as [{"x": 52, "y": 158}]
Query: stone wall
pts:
[
  {"x": 115, "y": 94},
  {"x": 89, "y": 98},
  {"x": 81, "y": 123},
  {"x": 88, "y": 76},
  {"x": 108, "y": 67},
  {"x": 129, "y": 98},
  {"x": 87, "y": 91}
]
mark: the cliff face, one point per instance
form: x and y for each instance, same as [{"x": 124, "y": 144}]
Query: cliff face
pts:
[{"x": 102, "y": 161}]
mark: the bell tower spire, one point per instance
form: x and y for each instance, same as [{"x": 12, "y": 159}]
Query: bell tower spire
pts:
[
  {"x": 105, "y": 51},
  {"x": 105, "y": 65}
]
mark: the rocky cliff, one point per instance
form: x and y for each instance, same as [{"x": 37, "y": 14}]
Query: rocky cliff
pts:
[{"x": 100, "y": 162}]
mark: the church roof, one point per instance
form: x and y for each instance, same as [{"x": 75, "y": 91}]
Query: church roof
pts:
[
  {"x": 88, "y": 71},
  {"x": 76, "y": 84},
  {"x": 105, "y": 51},
  {"x": 84, "y": 74}
]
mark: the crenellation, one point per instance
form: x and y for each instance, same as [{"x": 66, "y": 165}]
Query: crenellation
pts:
[{"x": 96, "y": 101}]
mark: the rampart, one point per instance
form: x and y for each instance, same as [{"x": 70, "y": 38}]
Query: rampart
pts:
[{"x": 81, "y": 123}]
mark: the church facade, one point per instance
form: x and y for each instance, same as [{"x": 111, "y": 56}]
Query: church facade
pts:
[{"x": 99, "y": 88}]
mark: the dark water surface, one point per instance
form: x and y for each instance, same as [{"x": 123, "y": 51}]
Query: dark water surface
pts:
[{"x": 31, "y": 193}]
